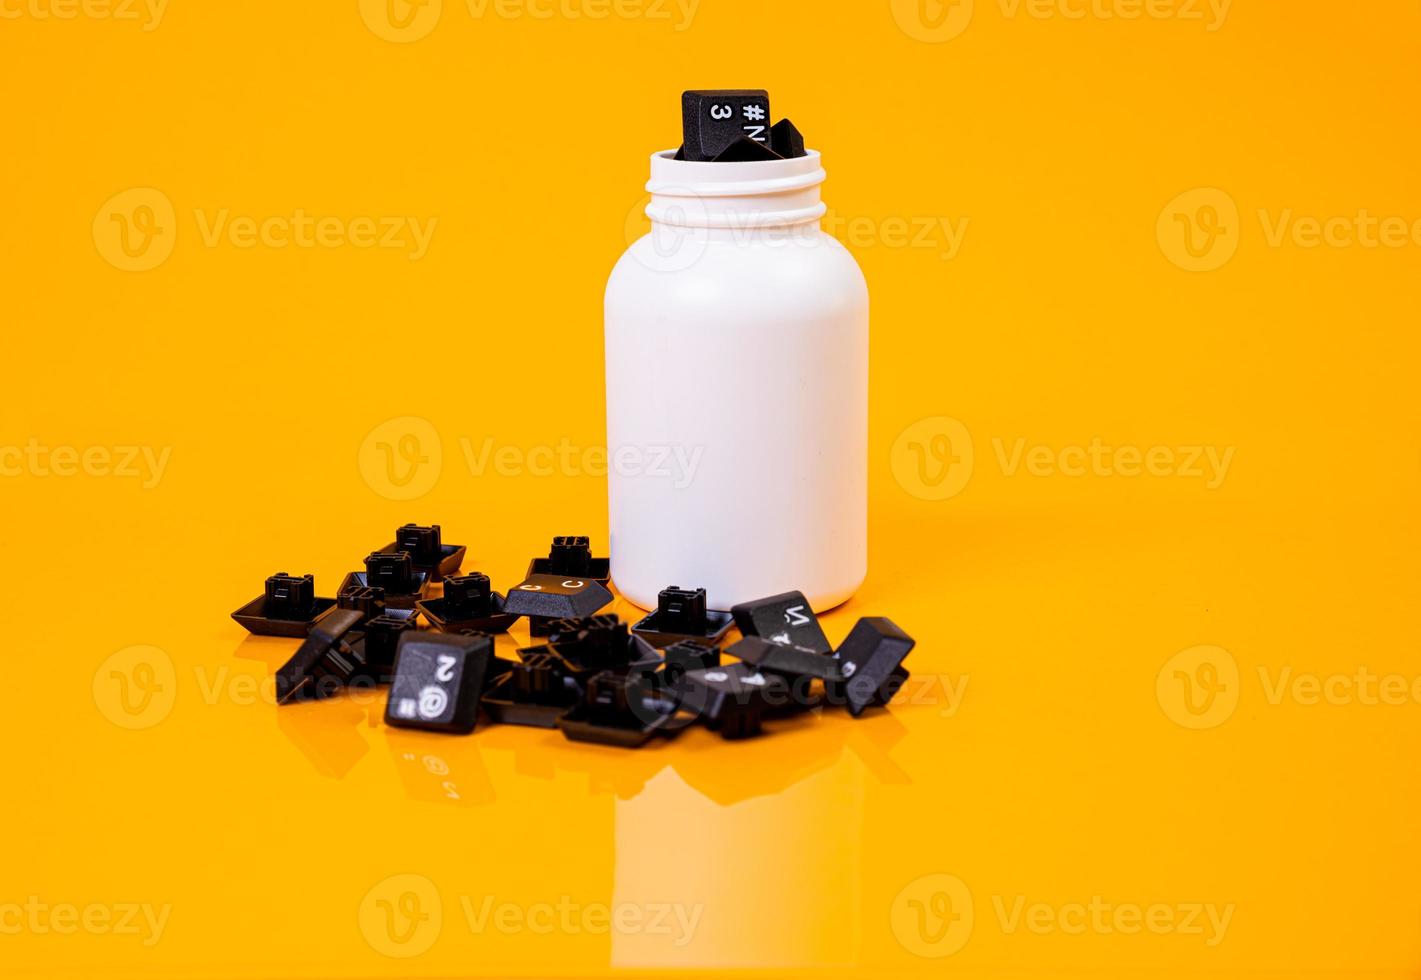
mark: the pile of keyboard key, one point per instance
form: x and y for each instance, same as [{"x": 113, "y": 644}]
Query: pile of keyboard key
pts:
[{"x": 588, "y": 673}]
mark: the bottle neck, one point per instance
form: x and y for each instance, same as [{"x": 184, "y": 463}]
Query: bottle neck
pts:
[{"x": 735, "y": 196}]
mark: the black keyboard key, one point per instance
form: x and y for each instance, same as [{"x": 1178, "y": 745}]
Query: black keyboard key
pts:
[
  {"x": 712, "y": 119},
  {"x": 870, "y": 658},
  {"x": 786, "y": 619},
  {"x": 439, "y": 680},
  {"x": 287, "y": 607}
]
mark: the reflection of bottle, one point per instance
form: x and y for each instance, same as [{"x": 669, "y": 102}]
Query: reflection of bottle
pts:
[
  {"x": 722, "y": 886},
  {"x": 737, "y": 390}
]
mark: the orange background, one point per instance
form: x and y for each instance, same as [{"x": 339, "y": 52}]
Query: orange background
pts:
[{"x": 1135, "y": 648}]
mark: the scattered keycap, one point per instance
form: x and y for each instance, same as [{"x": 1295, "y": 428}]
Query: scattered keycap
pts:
[
  {"x": 681, "y": 614},
  {"x": 552, "y": 597},
  {"x": 404, "y": 585},
  {"x": 427, "y": 550},
  {"x": 439, "y": 680},
  {"x": 537, "y": 692},
  {"x": 593, "y": 677},
  {"x": 327, "y": 661},
  {"x": 287, "y": 607},
  {"x": 571, "y": 557},
  {"x": 734, "y": 699},
  {"x": 468, "y": 603},
  {"x": 788, "y": 661},
  {"x": 786, "y": 619},
  {"x": 870, "y": 658},
  {"x": 688, "y": 655},
  {"x": 381, "y": 640},
  {"x": 597, "y": 643},
  {"x": 618, "y": 709}
]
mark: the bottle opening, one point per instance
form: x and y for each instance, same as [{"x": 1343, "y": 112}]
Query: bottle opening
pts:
[{"x": 759, "y": 193}]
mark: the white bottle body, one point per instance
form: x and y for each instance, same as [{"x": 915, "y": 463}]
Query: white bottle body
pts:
[{"x": 737, "y": 391}]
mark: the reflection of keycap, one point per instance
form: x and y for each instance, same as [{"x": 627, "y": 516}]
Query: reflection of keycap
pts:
[
  {"x": 556, "y": 597},
  {"x": 870, "y": 658},
  {"x": 786, "y": 619},
  {"x": 713, "y": 119},
  {"x": 734, "y": 699},
  {"x": 439, "y": 678}
]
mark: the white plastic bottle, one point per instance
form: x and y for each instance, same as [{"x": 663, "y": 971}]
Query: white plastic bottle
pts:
[{"x": 737, "y": 390}]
